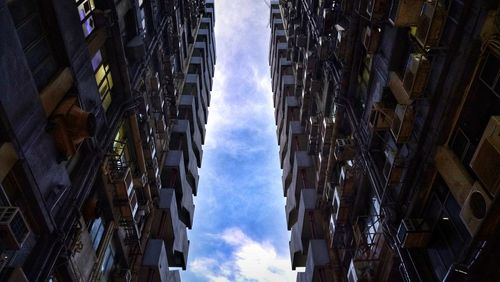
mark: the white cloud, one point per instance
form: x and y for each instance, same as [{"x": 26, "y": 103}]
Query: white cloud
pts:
[{"x": 249, "y": 260}]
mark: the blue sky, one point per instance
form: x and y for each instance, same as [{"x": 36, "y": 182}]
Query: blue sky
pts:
[{"x": 239, "y": 231}]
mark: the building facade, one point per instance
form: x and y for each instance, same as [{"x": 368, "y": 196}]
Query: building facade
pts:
[
  {"x": 103, "y": 106},
  {"x": 388, "y": 123}
]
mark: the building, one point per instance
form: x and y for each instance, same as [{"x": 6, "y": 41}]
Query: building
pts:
[
  {"x": 102, "y": 119},
  {"x": 388, "y": 123}
]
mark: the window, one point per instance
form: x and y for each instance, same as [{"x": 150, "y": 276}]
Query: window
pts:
[
  {"x": 108, "y": 261},
  {"x": 96, "y": 232},
  {"x": 31, "y": 26},
  {"x": 490, "y": 74},
  {"x": 103, "y": 78},
  {"x": 85, "y": 9}
]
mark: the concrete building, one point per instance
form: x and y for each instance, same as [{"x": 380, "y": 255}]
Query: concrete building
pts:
[
  {"x": 103, "y": 106},
  {"x": 388, "y": 123}
]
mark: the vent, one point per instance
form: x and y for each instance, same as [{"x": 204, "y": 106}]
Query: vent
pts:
[
  {"x": 13, "y": 228},
  {"x": 475, "y": 208},
  {"x": 414, "y": 233},
  {"x": 341, "y": 46}
]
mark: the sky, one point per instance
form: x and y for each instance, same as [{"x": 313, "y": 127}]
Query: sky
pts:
[{"x": 239, "y": 231}]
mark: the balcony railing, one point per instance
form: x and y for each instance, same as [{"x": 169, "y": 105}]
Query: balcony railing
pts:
[
  {"x": 317, "y": 265},
  {"x": 181, "y": 140},
  {"x": 173, "y": 175},
  {"x": 302, "y": 177},
  {"x": 168, "y": 227},
  {"x": 308, "y": 227}
]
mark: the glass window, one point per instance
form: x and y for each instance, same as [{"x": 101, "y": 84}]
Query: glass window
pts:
[
  {"x": 85, "y": 9},
  {"x": 107, "y": 262},
  {"x": 96, "y": 60},
  {"x": 96, "y": 232},
  {"x": 103, "y": 79}
]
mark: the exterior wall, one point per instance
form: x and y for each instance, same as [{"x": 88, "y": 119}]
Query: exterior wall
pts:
[
  {"x": 90, "y": 101},
  {"x": 394, "y": 163}
]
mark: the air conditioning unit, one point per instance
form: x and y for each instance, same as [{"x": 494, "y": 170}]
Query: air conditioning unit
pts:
[
  {"x": 141, "y": 181},
  {"x": 136, "y": 49},
  {"x": 292, "y": 12},
  {"x": 475, "y": 208},
  {"x": 341, "y": 206},
  {"x": 393, "y": 168},
  {"x": 376, "y": 9},
  {"x": 371, "y": 38},
  {"x": 323, "y": 47},
  {"x": 414, "y": 233},
  {"x": 431, "y": 24},
  {"x": 123, "y": 183},
  {"x": 402, "y": 124},
  {"x": 486, "y": 159},
  {"x": 299, "y": 74},
  {"x": 341, "y": 46},
  {"x": 301, "y": 40},
  {"x": 416, "y": 74},
  {"x": 293, "y": 54},
  {"x": 122, "y": 275},
  {"x": 329, "y": 192},
  {"x": 405, "y": 12},
  {"x": 13, "y": 228},
  {"x": 346, "y": 180},
  {"x": 310, "y": 61},
  {"x": 154, "y": 83},
  {"x": 331, "y": 230},
  {"x": 327, "y": 130},
  {"x": 344, "y": 149},
  {"x": 360, "y": 271},
  {"x": 380, "y": 117},
  {"x": 328, "y": 20},
  {"x": 161, "y": 126}
]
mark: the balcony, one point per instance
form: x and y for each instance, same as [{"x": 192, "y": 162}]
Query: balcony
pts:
[
  {"x": 174, "y": 176},
  {"x": 204, "y": 55},
  {"x": 302, "y": 177},
  {"x": 308, "y": 227},
  {"x": 198, "y": 69},
  {"x": 290, "y": 113},
  {"x": 192, "y": 88},
  {"x": 181, "y": 140},
  {"x": 296, "y": 140},
  {"x": 206, "y": 80},
  {"x": 155, "y": 262},
  {"x": 284, "y": 83},
  {"x": 204, "y": 35},
  {"x": 168, "y": 227},
  {"x": 317, "y": 264},
  {"x": 186, "y": 111}
]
